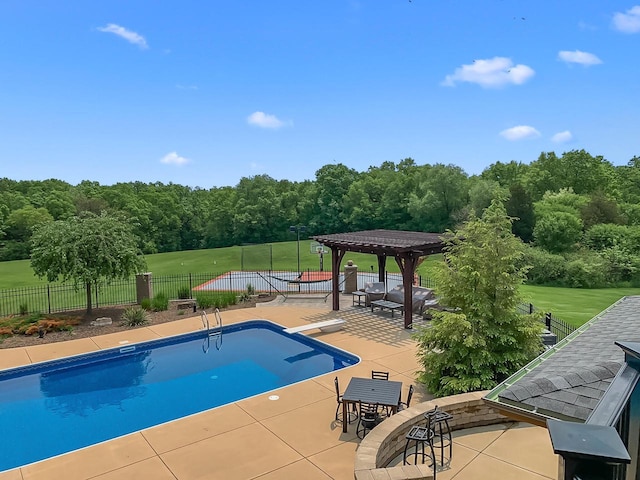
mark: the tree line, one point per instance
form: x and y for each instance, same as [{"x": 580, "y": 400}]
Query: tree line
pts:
[{"x": 557, "y": 201}]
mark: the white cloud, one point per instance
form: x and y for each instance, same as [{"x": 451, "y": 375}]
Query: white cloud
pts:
[
  {"x": 562, "y": 137},
  {"x": 263, "y": 120},
  {"x": 521, "y": 132},
  {"x": 128, "y": 35},
  {"x": 628, "y": 22},
  {"x": 490, "y": 73},
  {"x": 172, "y": 158},
  {"x": 577, "y": 56}
]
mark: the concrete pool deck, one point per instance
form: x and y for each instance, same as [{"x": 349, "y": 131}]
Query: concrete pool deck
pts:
[{"x": 292, "y": 437}]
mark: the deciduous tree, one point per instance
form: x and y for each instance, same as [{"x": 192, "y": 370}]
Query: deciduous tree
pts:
[{"x": 85, "y": 250}]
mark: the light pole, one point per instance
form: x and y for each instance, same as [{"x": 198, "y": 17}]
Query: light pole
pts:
[{"x": 297, "y": 229}]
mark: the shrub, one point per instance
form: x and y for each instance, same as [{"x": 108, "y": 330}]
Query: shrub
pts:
[
  {"x": 160, "y": 302},
  {"x": 557, "y": 231},
  {"x": 585, "y": 270},
  {"x": 24, "y": 309},
  {"x": 133, "y": 316},
  {"x": 145, "y": 303},
  {"x": 604, "y": 235},
  {"x": 250, "y": 289},
  {"x": 184, "y": 292},
  {"x": 206, "y": 300},
  {"x": 546, "y": 268},
  {"x": 621, "y": 265},
  {"x": 34, "y": 323}
]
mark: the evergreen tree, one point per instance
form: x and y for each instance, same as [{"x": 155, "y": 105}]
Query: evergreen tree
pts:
[{"x": 483, "y": 339}]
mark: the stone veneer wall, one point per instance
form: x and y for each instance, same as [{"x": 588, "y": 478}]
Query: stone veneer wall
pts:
[{"x": 387, "y": 440}]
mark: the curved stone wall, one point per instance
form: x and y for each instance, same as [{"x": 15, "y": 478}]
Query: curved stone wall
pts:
[{"x": 387, "y": 440}]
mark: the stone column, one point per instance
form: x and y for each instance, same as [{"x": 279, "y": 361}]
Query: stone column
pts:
[
  {"x": 144, "y": 286},
  {"x": 350, "y": 277}
]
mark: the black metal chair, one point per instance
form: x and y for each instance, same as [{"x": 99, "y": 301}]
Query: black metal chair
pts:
[
  {"x": 421, "y": 436},
  {"x": 438, "y": 421},
  {"x": 368, "y": 417},
  {"x": 377, "y": 375},
  {"x": 404, "y": 405},
  {"x": 351, "y": 416}
]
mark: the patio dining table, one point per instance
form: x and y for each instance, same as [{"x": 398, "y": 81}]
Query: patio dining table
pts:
[{"x": 385, "y": 393}]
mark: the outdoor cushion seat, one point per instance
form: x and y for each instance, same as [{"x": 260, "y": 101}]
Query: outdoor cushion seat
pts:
[
  {"x": 419, "y": 296},
  {"x": 374, "y": 291}
]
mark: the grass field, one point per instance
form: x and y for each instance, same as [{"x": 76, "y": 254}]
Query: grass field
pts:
[{"x": 572, "y": 305}]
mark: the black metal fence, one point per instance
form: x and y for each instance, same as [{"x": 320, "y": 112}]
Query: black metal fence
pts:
[
  {"x": 55, "y": 298},
  {"x": 558, "y": 327}
]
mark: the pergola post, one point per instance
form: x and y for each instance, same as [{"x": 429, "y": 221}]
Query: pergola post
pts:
[
  {"x": 382, "y": 267},
  {"x": 337, "y": 255},
  {"x": 407, "y": 262}
]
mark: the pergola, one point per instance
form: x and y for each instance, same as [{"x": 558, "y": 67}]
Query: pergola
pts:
[{"x": 405, "y": 247}]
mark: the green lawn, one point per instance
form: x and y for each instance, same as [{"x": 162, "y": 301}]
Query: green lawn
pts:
[{"x": 572, "y": 305}]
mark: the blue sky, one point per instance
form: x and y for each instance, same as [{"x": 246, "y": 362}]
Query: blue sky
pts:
[{"x": 202, "y": 93}]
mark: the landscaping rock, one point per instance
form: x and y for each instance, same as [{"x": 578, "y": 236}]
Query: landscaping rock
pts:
[
  {"x": 186, "y": 305},
  {"x": 101, "y": 322}
]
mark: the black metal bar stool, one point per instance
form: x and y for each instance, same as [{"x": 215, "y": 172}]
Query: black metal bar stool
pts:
[
  {"x": 420, "y": 436},
  {"x": 438, "y": 421}
]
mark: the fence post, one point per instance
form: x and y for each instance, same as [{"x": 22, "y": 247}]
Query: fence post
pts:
[
  {"x": 530, "y": 308},
  {"x": 190, "y": 287},
  {"x": 547, "y": 320},
  {"x": 48, "y": 299}
]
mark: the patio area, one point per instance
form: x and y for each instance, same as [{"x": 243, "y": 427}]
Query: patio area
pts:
[{"x": 292, "y": 437}]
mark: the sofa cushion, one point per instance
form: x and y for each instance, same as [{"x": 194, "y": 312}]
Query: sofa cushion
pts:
[{"x": 419, "y": 295}]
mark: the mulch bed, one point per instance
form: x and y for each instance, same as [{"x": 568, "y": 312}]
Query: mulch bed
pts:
[{"x": 85, "y": 329}]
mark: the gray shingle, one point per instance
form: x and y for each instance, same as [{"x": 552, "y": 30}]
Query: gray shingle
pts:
[
  {"x": 533, "y": 388},
  {"x": 565, "y": 396},
  {"x": 613, "y": 367},
  {"x": 507, "y": 395},
  {"x": 547, "y": 404},
  {"x": 575, "y": 411},
  {"x": 587, "y": 376},
  {"x": 586, "y": 402},
  {"x": 602, "y": 385},
  {"x": 601, "y": 372},
  {"x": 588, "y": 391},
  {"x": 573, "y": 379},
  {"x": 519, "y": 392},
  {"x": 559, "y": 382},
  {"x": 546, "y": 385}
]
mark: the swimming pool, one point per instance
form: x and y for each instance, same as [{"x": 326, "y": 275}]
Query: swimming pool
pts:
[{"x": 55, "y": 407}]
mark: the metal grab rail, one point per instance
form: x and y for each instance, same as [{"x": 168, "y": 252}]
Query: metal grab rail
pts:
[
  {"x": 218, "y": 334},
  {"x": 218, "y": 318},
  {"x": 205, "y": 320}
]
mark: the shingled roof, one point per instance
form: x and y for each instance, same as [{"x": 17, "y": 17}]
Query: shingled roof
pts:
[{"x": 572, "y": 378}]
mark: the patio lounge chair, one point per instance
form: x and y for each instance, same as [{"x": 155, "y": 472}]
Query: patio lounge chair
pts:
[
  {"x": 419, "y": 295},
  {"x": 374, "y": 291}
]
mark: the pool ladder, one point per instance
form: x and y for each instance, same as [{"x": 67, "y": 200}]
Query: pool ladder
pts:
[{"x": 215, "y": 333}]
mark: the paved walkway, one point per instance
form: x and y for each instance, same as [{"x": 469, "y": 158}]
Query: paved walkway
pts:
[{"x": 291, "y": 438}]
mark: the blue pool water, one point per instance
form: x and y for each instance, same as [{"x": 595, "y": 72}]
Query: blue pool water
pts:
[{"x": 55, "y": 407}]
